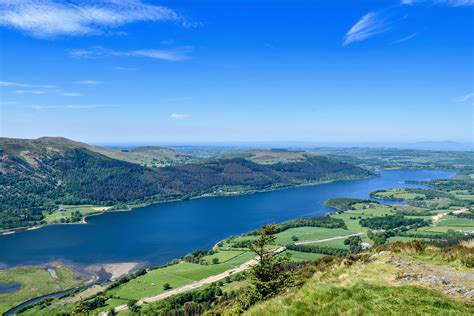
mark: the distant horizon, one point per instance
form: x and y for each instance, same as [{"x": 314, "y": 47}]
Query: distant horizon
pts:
[{"x": 427, "y": 145}]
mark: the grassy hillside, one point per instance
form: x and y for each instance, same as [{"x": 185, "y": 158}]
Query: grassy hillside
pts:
[
  {"x": 271, "y": 156},
  {"x": 38, "y": 175},
  {"x": 396, "y": 279}
]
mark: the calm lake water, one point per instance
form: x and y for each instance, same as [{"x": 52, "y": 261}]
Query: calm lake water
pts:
[{"x": 161, "y": 232}]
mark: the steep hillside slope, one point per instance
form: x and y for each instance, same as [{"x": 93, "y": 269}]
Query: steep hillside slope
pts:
[{"x": 397, "y": 279}]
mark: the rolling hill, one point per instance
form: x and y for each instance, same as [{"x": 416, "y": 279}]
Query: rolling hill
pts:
[
  {"x": 268, "y": 156},
  {"x": 38, "y": 175}
]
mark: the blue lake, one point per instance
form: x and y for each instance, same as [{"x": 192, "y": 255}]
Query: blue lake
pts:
[{"x": 158, "y": 233}]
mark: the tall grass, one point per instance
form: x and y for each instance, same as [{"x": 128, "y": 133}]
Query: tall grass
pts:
[{"x": 362, "y": 299}]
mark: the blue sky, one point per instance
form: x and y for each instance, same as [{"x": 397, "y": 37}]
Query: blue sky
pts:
[{"x": 217, "y": 71}]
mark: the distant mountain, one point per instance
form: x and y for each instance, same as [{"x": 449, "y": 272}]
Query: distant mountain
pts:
[
  {"x": 269, "y": 156},
  {"x": 443, "y": 145},
  {"x": 37, "y": 175},
  {"x": 159, "y": 156},
  {"x": 428, "y": 145}
]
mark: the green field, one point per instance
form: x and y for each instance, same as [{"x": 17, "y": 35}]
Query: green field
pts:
[
  {"x": 67, "y": 211},
  {"x": 444, "y": 229},
  {"x": 34, "y": 282},
  {"x": 223, "y": 256},
  {"x": 176, "y": 275},
  {"x": 451, "y": 221},
  {"x": 228, "y": 244},
  {"x": 371, "y": 210},
  {"x": 351, "y": 220},
  {"x": 397, "y": 194},
  {"x": 465, "y": 197},
  {"x": 302, "y": 256},
  {"x": 338, "y": 243},
  {"x": 403, "y": 239},
  {"x": 352, "y": 217},
  {"x": 309, "y": 233}
]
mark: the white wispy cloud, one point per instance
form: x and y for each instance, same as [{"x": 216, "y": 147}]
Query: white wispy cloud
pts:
[
  {"x": 25, "y": 85},
  {"x": 455, "y": 3},
  {"x": 67, "y": 107},
  {"x": 169, "y": 55},
  {"x": 31, "y": 91},
  {"x": 406, "y": 38},
  {"x": 176, "y": 54},
  {"x": 39, "y": 89},
  {"x": 71, "y": 94},
  {"x": 465, "y": 98},
  {"x": 88, "y": 106},
  {"x": 89, "y": 82},
  {"x": 369, "y": 25},
  {"x": 7, "y": 103},
  {"x": 124, "y": 68},
  {"x": 49, "y": 18},
  {"x": 177, "y": 116},
  {"x": 450, "y": 3}
]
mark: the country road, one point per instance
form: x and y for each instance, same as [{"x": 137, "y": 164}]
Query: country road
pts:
[
  {"x": 217, "y": 277},
  {"x": 194, "y": 285},
  {"x": 326, "y": 239}
]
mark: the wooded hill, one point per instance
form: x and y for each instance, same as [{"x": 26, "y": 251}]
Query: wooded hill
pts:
[{"x": 38, "y": 175}]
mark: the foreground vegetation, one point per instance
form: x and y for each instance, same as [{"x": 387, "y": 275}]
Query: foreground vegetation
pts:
[{"x": 385, "y": 281}]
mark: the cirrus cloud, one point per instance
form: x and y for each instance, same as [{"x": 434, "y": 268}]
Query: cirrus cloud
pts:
[
  {"x": 465, "y": 98},
  {"x": 89, "y": 82},
  {"x": 177, "y": 116},
  {"x": 176, "y": 54},
  {"x": 49, "y": 18},
  {"x": 451, "y": 3},
  {"x": 369, "y": 25},
  {"x": 25, "y": 85}
]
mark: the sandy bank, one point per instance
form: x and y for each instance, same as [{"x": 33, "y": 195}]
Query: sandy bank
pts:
[{"x": 119, "y": 269}]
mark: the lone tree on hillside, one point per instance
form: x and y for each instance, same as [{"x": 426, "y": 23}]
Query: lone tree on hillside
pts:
[{"x": 271, "y": 274}]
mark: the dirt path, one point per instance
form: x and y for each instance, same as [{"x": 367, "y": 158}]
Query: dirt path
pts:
[
  {"x": 439, "y": 216},
  {"x": 326, "y": 239},
  {"x": 450, "y": 281},
  {"x": 195, "y": 285}
]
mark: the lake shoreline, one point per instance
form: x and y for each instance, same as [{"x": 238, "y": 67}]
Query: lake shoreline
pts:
[
  {"x": 145, "y": 263},
  {"x": 132, "y": 207}
]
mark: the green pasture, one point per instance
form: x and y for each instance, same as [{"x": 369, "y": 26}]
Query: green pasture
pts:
[
  {"x": 309, "y": 233},
  {"x": 34, "y": 281}
]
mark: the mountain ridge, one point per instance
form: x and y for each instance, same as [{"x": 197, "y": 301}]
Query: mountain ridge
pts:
[{"x": 38, "y": 175}]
